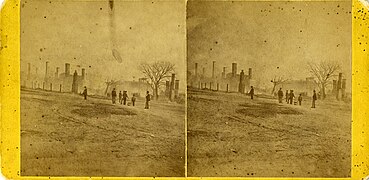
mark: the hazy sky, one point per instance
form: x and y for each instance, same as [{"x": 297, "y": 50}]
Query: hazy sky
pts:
[
  {"x": 79, "y": 32},
  {"x": 267, "y": 35}
]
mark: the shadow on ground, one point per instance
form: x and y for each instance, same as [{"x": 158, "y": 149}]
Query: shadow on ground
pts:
[
  {"x": 100, "y": 110},
  {"x": 264, "y": 110}
]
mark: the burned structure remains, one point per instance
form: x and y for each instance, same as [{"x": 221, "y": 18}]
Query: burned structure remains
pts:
[
  {"x": 229, "y": 82},
  {"x": 172, "y": 87},
  {"x": 339, "y": 87},
  {"x": 55, "y": 81}
]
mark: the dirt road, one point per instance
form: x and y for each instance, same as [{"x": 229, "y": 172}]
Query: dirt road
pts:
[
  {"x": 232, "y": 135},
  {"x": 64, "y": 135}
]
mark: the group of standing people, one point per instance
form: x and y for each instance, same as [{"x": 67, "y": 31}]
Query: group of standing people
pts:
[
  {"x": 290, "y": 96},
  {"x": 123, "y": 98}
]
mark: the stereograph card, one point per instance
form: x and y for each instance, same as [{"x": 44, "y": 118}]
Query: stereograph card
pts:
[{"x": 199, "y": 89}]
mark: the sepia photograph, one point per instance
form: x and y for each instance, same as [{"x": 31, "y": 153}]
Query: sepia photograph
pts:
[
  {"x": 269, "y": 88},
  {"x": 103, "y": 88}
]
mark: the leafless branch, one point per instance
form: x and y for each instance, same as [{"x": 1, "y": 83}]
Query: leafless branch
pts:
[
  {"x": 157, "y": 72},
  {"x": 323, "y": 72}
]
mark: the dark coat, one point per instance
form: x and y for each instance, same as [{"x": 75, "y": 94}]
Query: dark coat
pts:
[
  {"x": 148, "y": 97},
  {"x": 251, "y": 91},
  {"x": 280, "y": 93},
  {"x": 125, "y": 95},
  {"x": 114, "y": 93}
]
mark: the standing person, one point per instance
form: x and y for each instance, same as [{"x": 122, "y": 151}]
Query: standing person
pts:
[
  {"x": 300, "y": 99},
  {"x": 113, "y": 95},
  {"x": 314, "y": 99},
  {"x": 287, "y": 96},
  {"x": 85, "y": 93},
  {"x": 120, "y": 97},
  {"x": 125, "y": 96},
  {"x": 252, "y": 92},
  {"x": 280, "y": 95},
  {"x": 147, "y": 100},
  {"x": 291, "y": 96},
  {"x": 133, "y": 99}
]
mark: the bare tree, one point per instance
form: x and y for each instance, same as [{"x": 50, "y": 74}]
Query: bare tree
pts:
[
  {"x": 108, "y": 84},
  {"x": 277, "y": 81},
  {"x": 323, "y": 72},
  {"x": 157, "y": 72}
]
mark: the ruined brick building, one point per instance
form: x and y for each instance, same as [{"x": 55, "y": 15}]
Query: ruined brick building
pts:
[
  {"x": 230, "y": 82},
  {"x": 54, "y": 81}
]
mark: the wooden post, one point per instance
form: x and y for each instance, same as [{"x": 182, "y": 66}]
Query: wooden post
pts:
[
  {"x": 60, "y": 87},
  {"x": 210, "y": 85},
  {"x": 43, "y": 85},
  {"x": 227, "y": 88},
  {"x": 51, "y": 86},
  {"x": 217, "y": 86},
  {"x": 205, "y": 85}
]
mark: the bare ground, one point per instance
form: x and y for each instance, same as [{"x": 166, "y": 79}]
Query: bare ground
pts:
[
  {"x": 64, "y": 135},
  {"x": 231, "y": 135}
]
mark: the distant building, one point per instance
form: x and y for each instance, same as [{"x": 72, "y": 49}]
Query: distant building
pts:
[{"x": 305, "y": 87}]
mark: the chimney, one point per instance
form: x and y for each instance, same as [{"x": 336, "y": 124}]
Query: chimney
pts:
[
  {"x": 171, "y": 89},
  {"x": 46, "y": 69},
  {"x": 176, "y": 85},
  {"x": 29, "y": 71},
  {"x": 57, "y": 72},
  {"x": 224, "y": 72},
  {"x": 213, "y": 70},
  {"x": 167, "y": 87},
  {"x": 195, "y": 69},
  {"x": 75, "y": 82},
  {"x": 334, "y": 86},
  {"x": 250, "y": 73},
  {"x": 339, "y": 83},
  {"x": 234, "y": 69},
  {"x": 203, "y": 71},
  {"x": 83, "y": 73},
  {"x": 172, "y": 81},
  {"x": 343, "y": 84},
  {"x": 67, "y": 69},
  {"x": 241, "y": 86}
]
